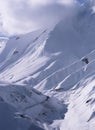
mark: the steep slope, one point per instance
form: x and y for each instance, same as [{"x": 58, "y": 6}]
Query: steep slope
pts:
[
  {"x": 31, "y": 104},
  {"x": 58, "y": 49},
  {"x": 53, "y": 62}
]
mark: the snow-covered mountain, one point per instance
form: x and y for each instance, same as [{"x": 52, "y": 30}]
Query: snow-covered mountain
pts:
[{"x": 47, "y": 77}]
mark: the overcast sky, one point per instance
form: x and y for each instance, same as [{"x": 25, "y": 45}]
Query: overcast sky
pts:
[{"x": 21, "y": 16}]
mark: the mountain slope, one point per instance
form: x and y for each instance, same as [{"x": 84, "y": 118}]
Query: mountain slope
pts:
[{"x": 49, "y": 76}]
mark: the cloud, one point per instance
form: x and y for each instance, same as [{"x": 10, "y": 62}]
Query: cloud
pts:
[
  {"x": 20, "y": 16},
  {"x": 66, "y": 2}
]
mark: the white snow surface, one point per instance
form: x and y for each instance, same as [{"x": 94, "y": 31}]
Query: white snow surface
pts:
[{"x": 44, "y": 79}]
